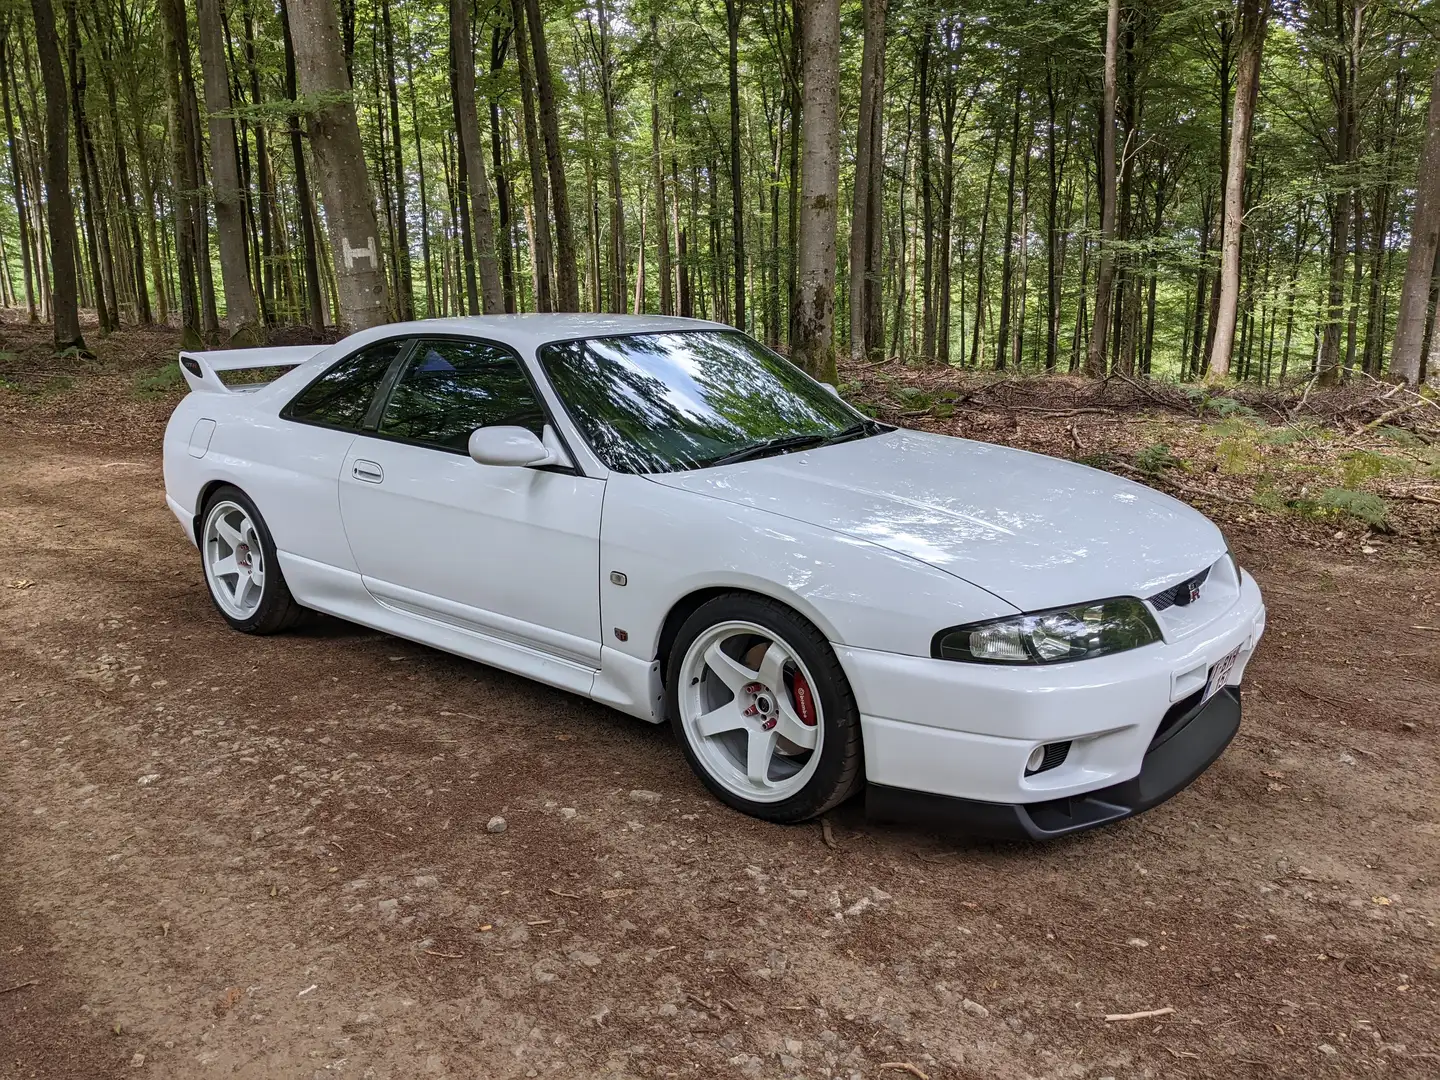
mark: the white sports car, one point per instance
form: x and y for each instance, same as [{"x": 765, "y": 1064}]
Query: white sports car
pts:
[{"x": 668, "y": 518}]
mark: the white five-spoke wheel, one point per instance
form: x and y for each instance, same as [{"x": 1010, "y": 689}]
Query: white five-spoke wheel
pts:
[
  {"x": 749, "y": 711},
  {"x": 240, "y": 565},
  {"x": 234, "y": 560},
  {"x": 764, "y": 711}
]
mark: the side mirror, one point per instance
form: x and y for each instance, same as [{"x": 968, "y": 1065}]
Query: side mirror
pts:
[
  {"x": 516, "y": 447},
  {"x": 832, "y": 388}
]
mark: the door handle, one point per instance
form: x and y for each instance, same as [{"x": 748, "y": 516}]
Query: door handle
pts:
[{"x": 368, "y": 471}]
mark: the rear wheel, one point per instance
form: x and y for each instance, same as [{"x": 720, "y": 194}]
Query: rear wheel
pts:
[
  {"x": 241, "y": 569},
  {"x": 763, "y": 709}
]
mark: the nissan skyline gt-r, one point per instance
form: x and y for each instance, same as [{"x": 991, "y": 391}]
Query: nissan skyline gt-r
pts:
[{"x": 670, "y": 519}]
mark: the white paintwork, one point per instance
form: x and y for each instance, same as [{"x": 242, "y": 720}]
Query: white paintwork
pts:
[
  {"x": 880, "y": 542},
  {"x": 516, "y": 447}
]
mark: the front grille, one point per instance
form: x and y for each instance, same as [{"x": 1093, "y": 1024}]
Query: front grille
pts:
[
  {"x": 1179, "y": 595},
  {"x": 1055, "y": 754}
]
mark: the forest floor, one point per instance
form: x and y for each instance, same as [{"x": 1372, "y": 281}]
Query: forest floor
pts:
[{"x": 267, "y": 856}]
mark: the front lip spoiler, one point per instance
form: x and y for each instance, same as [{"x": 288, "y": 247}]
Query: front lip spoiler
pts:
[{"x": 1187, "y": 749}]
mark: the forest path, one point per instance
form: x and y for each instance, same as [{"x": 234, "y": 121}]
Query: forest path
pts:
[{"x": 264, "y": 857}]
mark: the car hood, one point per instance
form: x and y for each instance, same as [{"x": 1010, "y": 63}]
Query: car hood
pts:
[{"x": 1036, "y": 531}]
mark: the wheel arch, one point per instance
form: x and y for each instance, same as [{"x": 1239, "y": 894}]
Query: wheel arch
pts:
[
  {"x": 203, "y": 498},
  {"x": 692, "y": 601}
]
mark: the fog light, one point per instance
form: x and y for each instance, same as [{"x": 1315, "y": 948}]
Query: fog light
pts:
[{"x": 1046, "y": 757}]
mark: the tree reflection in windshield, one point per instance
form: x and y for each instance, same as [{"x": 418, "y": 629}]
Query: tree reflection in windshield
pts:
[{"x": 669, "y": 401}]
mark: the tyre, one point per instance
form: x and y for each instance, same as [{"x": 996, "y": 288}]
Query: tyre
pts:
[
  {"x": 763, "y": 710},
  {"x": 241, "y": 569}
]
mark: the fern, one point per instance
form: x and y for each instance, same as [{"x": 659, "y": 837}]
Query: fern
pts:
[{"x": 1364, "y": 505}]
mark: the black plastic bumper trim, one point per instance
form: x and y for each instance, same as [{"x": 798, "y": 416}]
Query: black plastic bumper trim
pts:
[{"x": 1189, "y": 748}]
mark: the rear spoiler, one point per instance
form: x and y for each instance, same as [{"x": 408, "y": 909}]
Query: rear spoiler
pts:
[{"x": 201, "y": 369}]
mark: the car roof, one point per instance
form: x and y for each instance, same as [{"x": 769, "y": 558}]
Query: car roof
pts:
[{"x": 531, "y": 331}]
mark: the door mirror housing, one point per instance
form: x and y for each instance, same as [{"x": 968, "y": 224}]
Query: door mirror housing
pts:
[
  {"x": 832, "y": 388},
  {"x": 515, "y": 447}
]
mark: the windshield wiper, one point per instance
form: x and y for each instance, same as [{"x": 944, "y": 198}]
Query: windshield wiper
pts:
[
  {"x": 769, "y": 446},
  {"x": 858, "y": 430}
]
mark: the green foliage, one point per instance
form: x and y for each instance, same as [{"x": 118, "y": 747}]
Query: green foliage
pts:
[
  {"x": 159, "y": 381},
  {"x": 1237, "y": 455},
  {"x": 1289, "y": 434},
  {"x": 1362, "y": 465},
  {"x": 912, "y": 397},
  {"x": 1156, "y": 458},
  {"x": 1364, "y": 505},
  {"x": 1207, "y": 403}
]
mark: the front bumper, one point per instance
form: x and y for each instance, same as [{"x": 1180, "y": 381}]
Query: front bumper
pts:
[
  {"x": 1184, "y": 752},
  {"x": 965, "y": 731}
]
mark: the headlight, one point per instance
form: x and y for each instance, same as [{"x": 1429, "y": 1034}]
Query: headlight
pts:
[{"x": 1077, "y": 632}]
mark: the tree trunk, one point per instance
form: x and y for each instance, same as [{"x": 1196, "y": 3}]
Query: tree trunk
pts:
[
  {"x": 462, "y": 62},
  {"x": 499, "y": 43},
  {"x": 1406, "y": 354},
  {"x": 1007, "y": 290},
  {"x": 89, "y": 192},
  {"x": 340, "y": 166},
  {"x": 814, "y": 348},
  {"x": 58, "y": 207},
  {"x": 1105, "y": 275},
  {"x": 540, "y": 251},
  {"x": 241, "y": 311},
  {"x": 737, "y": 180},
  {"x": 1255, "y": 17},
  {"x": 567, "y": 285},
  {"x": 657, "y": 166},
  {"x": 864, "y": 228},
  {"x": 405, "y": 286},
  {"x": 22, "y": 211},
  {"x": 927, "y": 210},
  {"x": 314, "y": 287}
]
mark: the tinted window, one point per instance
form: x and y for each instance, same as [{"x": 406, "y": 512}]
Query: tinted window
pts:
[
  {"x": 341, "y": 397},
  {"x": 450, "y": 388},
  {"x": 661, "y": 402}
]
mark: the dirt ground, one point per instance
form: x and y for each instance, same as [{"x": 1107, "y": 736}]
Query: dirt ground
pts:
[{"x": 268, "y": 857}]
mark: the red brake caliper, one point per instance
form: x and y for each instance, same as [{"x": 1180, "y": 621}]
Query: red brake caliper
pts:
[{"x": 804, "y": 700}]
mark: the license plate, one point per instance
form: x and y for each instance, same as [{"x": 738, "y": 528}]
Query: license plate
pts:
[{"x": 1220, "y": 672}]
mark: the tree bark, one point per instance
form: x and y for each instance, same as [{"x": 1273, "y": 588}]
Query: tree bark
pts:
[
  {"x": 657, "y": 167},
  {"x": 567, "y": 285},
  {"x": 240, "y": 308},
  {"x": 539, "y": 235},
  {"x": 863, "y": 226},
  {"x": 405, "y": 302},
  {"x": 1105, "y": 274},
  {"x": 1007, "y": 290},
  {"x": 58, "y": 207},
  {"x": 814, "y": 347},
  {"x": 1255, "y": 17},
  {"x": 22, "y": 211},
  {"x": 462, "y": 61},
  {"x": 1410, "y": 322},
  {"x": 340, "y": 166},
  {"x": 737, "y": 180}
]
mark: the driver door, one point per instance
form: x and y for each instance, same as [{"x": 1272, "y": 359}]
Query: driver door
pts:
[{"x": 509, "y": 553}]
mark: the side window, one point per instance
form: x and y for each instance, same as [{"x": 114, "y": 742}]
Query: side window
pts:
[
  {"x": 450, "y": 388},
  {"x": 341, "y": 397}
]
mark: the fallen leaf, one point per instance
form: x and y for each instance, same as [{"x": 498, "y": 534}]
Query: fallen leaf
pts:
[{"x": 1383, "y": 901}]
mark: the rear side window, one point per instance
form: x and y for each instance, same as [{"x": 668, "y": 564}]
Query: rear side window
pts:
[
  {"x": 341, "y": 397},
  {"x": 450, "y": 388}
]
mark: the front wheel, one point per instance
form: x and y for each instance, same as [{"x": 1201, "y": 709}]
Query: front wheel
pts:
[
  {"x": 763, "y": 710},
  {"x": 241, "y": 569}
]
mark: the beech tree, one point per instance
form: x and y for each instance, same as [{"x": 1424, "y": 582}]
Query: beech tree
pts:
[
  {"x": 240, "y": 307},
  {"x": 339, "y": 157},
  {"x": 1415, "y": 306},
  {"x": 629, "y": 155},
  {"x": 814, "y": 346},
  {"x": 58, "y": 207},
  {"x": 1255, "y": 17}
]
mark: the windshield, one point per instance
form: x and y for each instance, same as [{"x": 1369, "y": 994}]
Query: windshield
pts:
[{"x": 670, "y": 401}]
